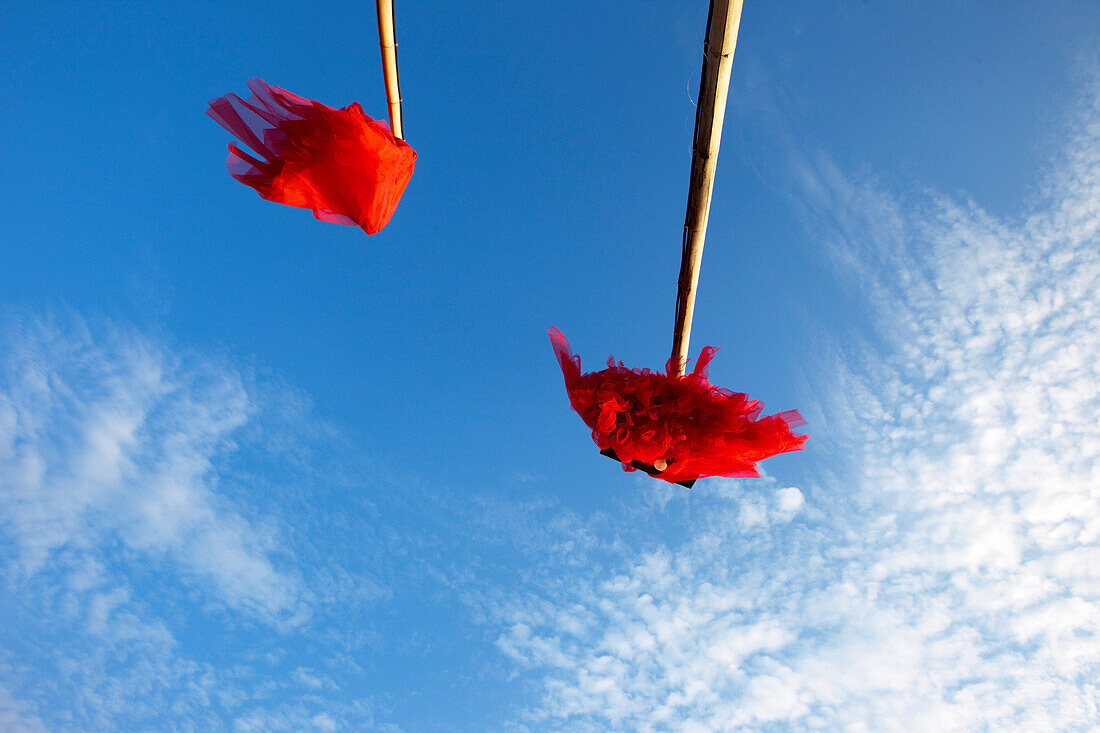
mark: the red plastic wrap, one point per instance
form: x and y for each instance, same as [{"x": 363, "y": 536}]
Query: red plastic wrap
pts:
[
  {"x": 697, "y": 428},
  {"x": 347, "y": 167}
]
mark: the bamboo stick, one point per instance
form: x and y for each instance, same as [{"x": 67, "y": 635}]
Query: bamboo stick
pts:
[
  {"x": 721, "y": 41},
  {"x": 388, "y": 41}
]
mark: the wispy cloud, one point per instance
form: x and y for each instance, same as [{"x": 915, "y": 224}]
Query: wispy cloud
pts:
[
  {"x": 106, "y": 436},
  {"x": 158, "y": 560},
  {"x": 945, "y": 573},
  {"x": 17, "y": 716}
]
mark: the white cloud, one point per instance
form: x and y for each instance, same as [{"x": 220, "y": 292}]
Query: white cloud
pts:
[
  {"x": 17, "y": 716},
  {"x": 949, "y": 579},
  {"x": 104, "y": 435},
  {"x": 155, "y": 569},
  {"x": 790, "y": 500}
]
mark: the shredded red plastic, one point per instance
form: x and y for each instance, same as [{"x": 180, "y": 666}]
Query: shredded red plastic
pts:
[
  {"x": 347, "y": 167},
  {"x": 699, "y": 429}
]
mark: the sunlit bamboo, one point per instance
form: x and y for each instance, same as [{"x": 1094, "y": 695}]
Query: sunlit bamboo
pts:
[
  {"x": 722, "y": 24},
  {"x": 387, "y": 39}
]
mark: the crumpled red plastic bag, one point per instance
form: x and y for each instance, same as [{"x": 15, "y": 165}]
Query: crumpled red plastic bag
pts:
[{"x": 347, "y": 167}]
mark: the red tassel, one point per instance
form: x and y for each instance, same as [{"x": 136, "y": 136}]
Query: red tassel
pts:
[{"x": 698, "y": 429}]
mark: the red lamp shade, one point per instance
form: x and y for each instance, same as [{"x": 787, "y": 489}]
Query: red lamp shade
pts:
[
  {"x": 646, "y": 419},
  {"x": 347, "y": 167}
]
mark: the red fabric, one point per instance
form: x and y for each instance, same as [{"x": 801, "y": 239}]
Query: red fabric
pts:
[
  {"x": 700, "y": 429},
  {"x": 345, "y": 166}
]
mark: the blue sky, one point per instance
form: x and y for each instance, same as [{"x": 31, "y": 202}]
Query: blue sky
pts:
[{"x": 263, "y": 473}]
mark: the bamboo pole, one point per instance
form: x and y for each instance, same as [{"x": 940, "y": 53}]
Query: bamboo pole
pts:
[
  {"x": 388, "y": 41},
  {"x": 721, "y": 40}
]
